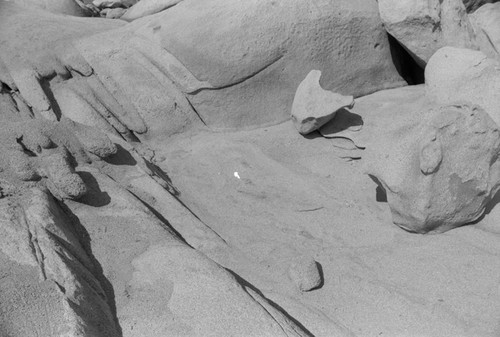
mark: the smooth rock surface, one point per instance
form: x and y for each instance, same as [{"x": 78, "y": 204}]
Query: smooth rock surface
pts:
[
  {"x": 313, "y": 106},
  {"x": 455, "y": 74}
]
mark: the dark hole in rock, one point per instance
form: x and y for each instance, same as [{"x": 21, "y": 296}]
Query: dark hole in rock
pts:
[{"x": 406, "y": 66}]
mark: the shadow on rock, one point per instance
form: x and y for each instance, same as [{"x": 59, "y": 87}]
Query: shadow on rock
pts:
[
  {"x": 121, "y": 157},
  {"x": 85, "y": 241},
  {"x": 95, "y": 196},
  {"x": 246, "y": 284}
]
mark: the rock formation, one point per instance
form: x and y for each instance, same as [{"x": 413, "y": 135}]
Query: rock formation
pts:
[
  {"x": 69, "y": 298},
  {"x": 125, "y": 212},
  {"x": 439, "y": 168},
  {"x": 222, "y": 87}
]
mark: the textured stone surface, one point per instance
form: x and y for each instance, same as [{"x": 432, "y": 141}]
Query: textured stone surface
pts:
[
  {"x": 304, "y": 273},
  {"x": 439, "y": 168},
  {"x": 39, "y": 234},
  {"x": 147, "y": 223}
]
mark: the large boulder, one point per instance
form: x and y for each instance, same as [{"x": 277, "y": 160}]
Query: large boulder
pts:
[
  {"x": 486, "y": 23},
  {"x": 422, "y": 26},
  {"x": 455, "y": 74},
  {"x": 438, "y": 166}
]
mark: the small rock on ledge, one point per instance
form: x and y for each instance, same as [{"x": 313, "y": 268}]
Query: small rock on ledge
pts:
[
  {"x": 313, "y": 106},
  {"x": 304, "y": 273}
]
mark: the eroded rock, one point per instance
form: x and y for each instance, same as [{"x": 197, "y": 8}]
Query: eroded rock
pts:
[
  {"x": 38, "y": 236},
  {"x": 45, "y": 153},
  {"x": 313, "y": 106},
  {"x": 438, "y": 167}
]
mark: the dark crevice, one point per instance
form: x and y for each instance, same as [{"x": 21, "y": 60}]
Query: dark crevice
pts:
[
  {"x": 276, "y": 306},
  {"x": 5, "y": 87},
  {"x": 160, "y": 217},
  {"x": 196, "y": 112},
  {"x": 198, "y": 218},
  {"x": 63, "y": 290},
  {"x": 45, "y": 84},
  {"x": 19, "y": 141},
  {"x": 85, "y": 241},
  {"x": 131, "y": 137},
  {"x": 406, "y": 66},
  {"x": 473, "y": 5},
  {"x": 380, "y": 191}
]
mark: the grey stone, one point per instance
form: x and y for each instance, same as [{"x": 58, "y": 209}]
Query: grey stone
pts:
[{"x": 313, "y": 106}]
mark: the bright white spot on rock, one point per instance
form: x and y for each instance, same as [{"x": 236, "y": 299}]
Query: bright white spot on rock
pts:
[{"x": 237, "y": 175}]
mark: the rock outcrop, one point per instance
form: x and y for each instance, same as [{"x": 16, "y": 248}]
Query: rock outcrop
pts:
[
  {"x": 45, "y": 153},
  {"x": 123, "y": 214},
  {"x": 233, "y": 77},
  {"x": 37, "y": 48}
]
